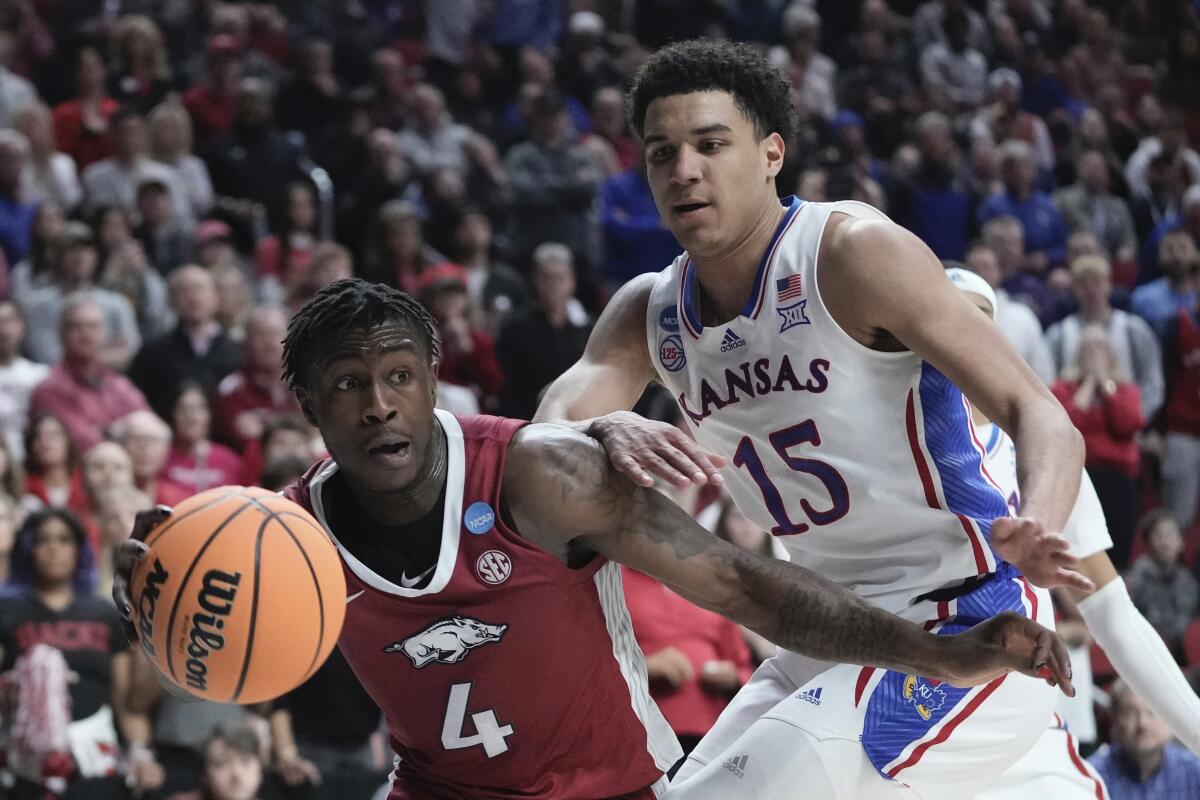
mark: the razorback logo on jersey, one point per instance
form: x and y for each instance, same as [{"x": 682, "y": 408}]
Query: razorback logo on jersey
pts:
[{"x": 447, "y": 641}]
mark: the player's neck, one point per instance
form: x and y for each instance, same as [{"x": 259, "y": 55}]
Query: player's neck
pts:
[
  {"x": 418, "y": 498},
  {"x": 726, "y": 278}
]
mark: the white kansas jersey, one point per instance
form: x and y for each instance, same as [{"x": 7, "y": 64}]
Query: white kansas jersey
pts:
[
  {"x": 864, "y": 463},
  {"x": 1086, "y": 528}
]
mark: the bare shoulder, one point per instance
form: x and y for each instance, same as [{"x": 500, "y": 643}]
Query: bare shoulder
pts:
[
  {"x": 542, "y": 449},
  {"x": 622, "y": 326},
  {"x": 859, "y": 246}
]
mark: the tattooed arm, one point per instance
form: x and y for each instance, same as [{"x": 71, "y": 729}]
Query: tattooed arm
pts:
[{"x": 565, "y": 496}]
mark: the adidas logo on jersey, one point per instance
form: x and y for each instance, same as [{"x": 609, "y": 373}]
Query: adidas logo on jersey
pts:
[
  {"x": 811, "y": 696},
  {"x": 731, "y": 341},
  {"x": 737, "y": 765}
]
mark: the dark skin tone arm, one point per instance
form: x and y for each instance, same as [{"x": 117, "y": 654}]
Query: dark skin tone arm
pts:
[{"x": 565, "y": 496}]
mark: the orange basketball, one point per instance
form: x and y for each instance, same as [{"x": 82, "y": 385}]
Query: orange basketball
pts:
[{"x": 241, "y": 597}]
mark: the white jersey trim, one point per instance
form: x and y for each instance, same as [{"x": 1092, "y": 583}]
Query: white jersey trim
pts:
[
  {"x": 661, "y": 742},
  {"x": 456, "y": 471}
]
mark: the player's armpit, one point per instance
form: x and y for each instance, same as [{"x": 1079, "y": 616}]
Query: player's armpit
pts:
[{"x": 561, "y": 488}]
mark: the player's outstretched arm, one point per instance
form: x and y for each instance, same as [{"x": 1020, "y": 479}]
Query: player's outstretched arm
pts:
[
  {"x": 610, "y": 377},
  {"x": 563, "y": 493},
  {"x": 881, "y": 283}
]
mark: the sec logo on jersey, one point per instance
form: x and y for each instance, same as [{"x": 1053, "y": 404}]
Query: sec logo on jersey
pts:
[
  {"x": 670, "y": 353},
  {"x": 493, "y": 567}
]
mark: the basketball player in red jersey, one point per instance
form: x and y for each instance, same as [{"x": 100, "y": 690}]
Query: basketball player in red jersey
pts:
[{"x": 485, "y": 614}]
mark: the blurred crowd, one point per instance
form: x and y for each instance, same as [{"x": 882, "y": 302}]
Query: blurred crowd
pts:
[{"x": 178, "y": 176}]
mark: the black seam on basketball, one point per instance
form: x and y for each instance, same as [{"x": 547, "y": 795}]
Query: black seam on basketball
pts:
[
  {"x": 312, "y": 665},
  {"x": 158, "y": 534},
  {"x": 183, "y": 585},
  {"x": 237, "y": 692}
]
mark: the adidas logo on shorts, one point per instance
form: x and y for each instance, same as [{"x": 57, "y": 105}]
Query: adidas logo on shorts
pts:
[
  {"x": 811, "y": 696},
  {"x": 737, "y": 765},
  {"x": 731, "y": 341}
]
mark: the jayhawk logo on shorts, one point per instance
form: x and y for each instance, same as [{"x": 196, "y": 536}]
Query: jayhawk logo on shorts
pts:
[{"x": 925, "y": 697}]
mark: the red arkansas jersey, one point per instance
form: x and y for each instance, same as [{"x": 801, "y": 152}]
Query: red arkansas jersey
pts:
[{"x": 509, "y": 675}]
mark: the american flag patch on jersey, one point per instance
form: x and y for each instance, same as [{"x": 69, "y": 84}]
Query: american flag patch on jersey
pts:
[{"x": 790, "y": 287}]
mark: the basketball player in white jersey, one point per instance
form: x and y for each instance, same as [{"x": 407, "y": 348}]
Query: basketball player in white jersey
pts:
[
  {"x": 1053, "y": 767},
  {"x": 816, "y": 349}
]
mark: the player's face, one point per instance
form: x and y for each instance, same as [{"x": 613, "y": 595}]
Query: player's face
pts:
[
  {"x": 372, "y": 400},
  {"x": 710, "y": 173}
]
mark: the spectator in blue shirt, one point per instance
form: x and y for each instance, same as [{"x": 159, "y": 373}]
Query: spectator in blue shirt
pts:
[
  {"x": 1143, "y": 763},
  {"x": 1159, "y": 301},
  {"x": 1045, "y": 228},
  {"x": 635, "y": 240},
  {"x": 1187, "y": 219},
  {"x": 16, "y": 215}
]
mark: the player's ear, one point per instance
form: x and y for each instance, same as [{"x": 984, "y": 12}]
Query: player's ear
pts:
[
  {"x": 305, "y": 401},
  {"x": 433, "y": 379},
  {"x": 773, "y": 149}
]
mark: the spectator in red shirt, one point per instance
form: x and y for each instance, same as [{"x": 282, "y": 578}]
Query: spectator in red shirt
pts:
[
  {"x": 397, "y": 253},
  {"x": 213, "y": 103},
  {"x": 52, "y": 476},
  {"x": 254, "y": 395},
  {"x": 330, "y": 262},
  {"x": 1105, "y": 406},
  {"x": 468, "y": 355},
  {"x": 696, "y": 660},
  {"x": 284, "y": 255},
  {"x": 147, "y": 439},
  {"x": 195, "y": 462},
  {"x": 80, "y": 390},
  {"x": 81, "y": 125}
]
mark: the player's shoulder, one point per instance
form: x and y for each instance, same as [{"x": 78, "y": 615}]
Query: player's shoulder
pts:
[
  {"x": 543, "y": 449},
  {"x": 298, "y": 490}
]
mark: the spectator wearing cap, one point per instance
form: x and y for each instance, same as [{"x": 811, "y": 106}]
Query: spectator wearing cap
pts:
[
  {"x": 553, "y": 180},
  {"x": 1134, "y": 347},
  {"x": 496, "y": 289},
  {"x": 197, "y": 350},
  {"x": 951, "y": 70},
  {"x": 635, "y": 240},
  {"x": 1089, "y": 205},
  {"x": 1161, "y": 300},
  {"x": 16, "y": 210},
  {"x": 115, "y": 180},
  {"x": 467, "y": 355},
  {"x": 1016, "y": 320},
  {"x": 81, "y": 125},
  {"x": 543, "y": 341},
  {"x": 212, "y": 102},
  {"x": 1003, "y": 118},
  {"x": 161, "y": 234},
  {"x": 1143, "y": 762},
  {"x": 80, "y": 390},
  {"x": 171, "y": 144},
  {"x": 935, "y": 200},
  {"x": 18, "y": 378},
  {"x": 1044, "y": 227},
  {"x": 74, "y": 272},
  {"x": 212, "y": 245},
  {"x": 50, "y": 175},
  {"x": 812, "y": 73},
  {"x": 249, "y": 399}
]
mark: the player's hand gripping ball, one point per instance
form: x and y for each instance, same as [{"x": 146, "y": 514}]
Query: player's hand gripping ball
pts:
[{"x": 241, "y": 596}]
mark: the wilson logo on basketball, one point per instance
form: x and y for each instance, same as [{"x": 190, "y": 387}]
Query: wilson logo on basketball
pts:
[
  {"x": 493, "y": 567},
  {"x": 217, "y": 592},
  {"x": 148, "y": 604}
]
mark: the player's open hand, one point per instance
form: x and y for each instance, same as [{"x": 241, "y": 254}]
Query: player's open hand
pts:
[
  {"x": 129, "y": 553},
  {"x": 1040, "y": 556},
  {"x": 1008, "y": 643},
  {"x": 643, "y": 449}
]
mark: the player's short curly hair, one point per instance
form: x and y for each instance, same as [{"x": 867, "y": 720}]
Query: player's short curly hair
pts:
[
  {"x": 347, "y": 305},
  {"x": 699, "y": 65}
]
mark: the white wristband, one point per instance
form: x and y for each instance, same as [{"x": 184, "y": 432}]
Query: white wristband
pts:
[{"x": 1142, "y": 659}]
